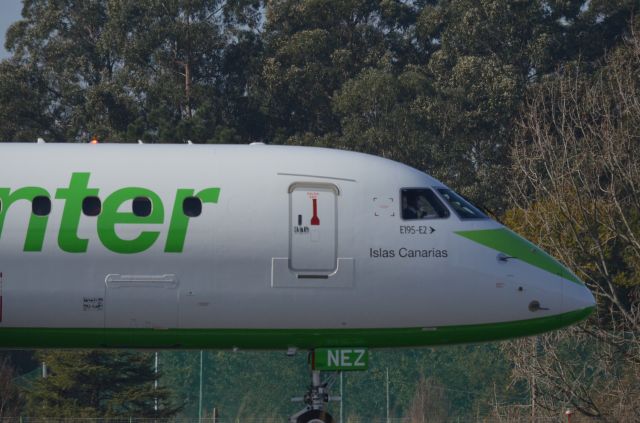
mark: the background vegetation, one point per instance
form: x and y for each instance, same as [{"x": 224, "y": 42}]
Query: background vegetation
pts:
[{"x": 530, "y": 108}]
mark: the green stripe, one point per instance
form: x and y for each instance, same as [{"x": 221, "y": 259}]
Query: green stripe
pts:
[
  {"x": 270, "y": 339},
  {"x": 513, "y": 245}
]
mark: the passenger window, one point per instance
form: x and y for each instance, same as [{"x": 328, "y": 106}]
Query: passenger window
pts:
[
  {"x": 141, "y": 206},
  {"x": 41, "y": 205},
  {"x": 91, "y": 206},
  {"x": 462, "y": 207},
  {"x": 192, "y": 206},
  {"x": 421, "y": 203}
]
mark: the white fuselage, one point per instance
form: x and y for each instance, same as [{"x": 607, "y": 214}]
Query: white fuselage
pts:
[{"x": 252, "y": 259}]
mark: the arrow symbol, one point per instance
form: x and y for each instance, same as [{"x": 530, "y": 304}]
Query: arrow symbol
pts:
[{"x": 431, "y": 230}]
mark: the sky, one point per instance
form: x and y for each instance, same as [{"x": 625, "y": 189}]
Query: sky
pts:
[{"x": 9, "y": 13}]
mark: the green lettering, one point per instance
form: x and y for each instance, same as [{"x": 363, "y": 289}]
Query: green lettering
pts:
[
  {"x": 130, "y": 237},
  {"x": 180, "y": 222},
  {"x": 110, "y": 217},
  {"x": 78, "y": 189},
  {"x": 37, "y": 224}
]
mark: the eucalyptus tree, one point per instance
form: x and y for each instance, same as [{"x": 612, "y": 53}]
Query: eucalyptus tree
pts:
[
  {"x": 63, "y": 44},
  {"x": 181, "y": 59},
  {"x": 126, "y": 70},
  {"x": 314, "y": 47}
]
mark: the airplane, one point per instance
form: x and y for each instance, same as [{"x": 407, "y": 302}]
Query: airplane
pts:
[{"x": 259, "y": 247}]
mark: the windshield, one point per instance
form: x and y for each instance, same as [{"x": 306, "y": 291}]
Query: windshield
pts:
[{"x": 462, "y": 207}]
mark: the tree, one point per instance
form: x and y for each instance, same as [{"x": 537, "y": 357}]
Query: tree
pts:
[
  {"x": 150, "y": 70},
  {"x": 24, "y": 108},
  {"x": 482, "y": 56},
  {"x": 64, "y": 41},
  {"x": 430, "y": 403},
  {"x": 312, "y": 48},
  {"x": 377, "y": 115},
  {"x": 182, "y": 59},
  {"x": 575, "y": 178},
  {"x": 10, "y": 398},
  {"x": 98, "y": 384}
]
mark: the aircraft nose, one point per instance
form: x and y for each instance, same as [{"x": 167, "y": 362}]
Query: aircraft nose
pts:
[
  {"x": 576, "y": 296},
  {"x": 559, "y": 283}
]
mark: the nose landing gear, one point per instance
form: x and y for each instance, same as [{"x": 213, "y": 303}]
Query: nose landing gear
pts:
[
  {"x": 316, "y": 399},
  {"x": 314, "y": 416}
]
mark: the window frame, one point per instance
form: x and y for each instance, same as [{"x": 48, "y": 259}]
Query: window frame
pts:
[
  {"x": 437, "y": 198},
  {"x": 482, "y": 216},
  {"x": 184, "y": 201},
  {"x": 33, "y": 206},
  {"x": 100, "y": 206},
  {"x": 141, "y": 197}
]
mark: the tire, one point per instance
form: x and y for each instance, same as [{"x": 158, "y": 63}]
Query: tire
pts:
[{"x": 315, "y": 416}]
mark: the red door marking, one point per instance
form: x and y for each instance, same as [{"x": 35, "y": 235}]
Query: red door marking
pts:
[{"x": 315, "y": 221}]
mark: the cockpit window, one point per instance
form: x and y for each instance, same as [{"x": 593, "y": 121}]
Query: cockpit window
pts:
[
  {"x": 462, "y": 207},
  {"x": 421, "y": 203}
]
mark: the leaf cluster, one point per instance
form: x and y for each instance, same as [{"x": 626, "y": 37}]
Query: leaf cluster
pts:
[{"x": 98, "y": 384}]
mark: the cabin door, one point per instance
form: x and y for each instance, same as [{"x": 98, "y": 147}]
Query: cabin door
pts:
[{"x": 313, "y": 229}]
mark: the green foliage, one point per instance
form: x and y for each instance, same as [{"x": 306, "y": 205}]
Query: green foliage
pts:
[
  {"x": 23, "y": 103},
  {"x": 11, "y": 401},
  {"x": 377, "y": 108},
  {"x": 133, "y": 70},
  {"x": 98, "y": 384}
]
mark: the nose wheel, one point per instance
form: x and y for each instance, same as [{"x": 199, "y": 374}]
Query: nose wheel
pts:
[
  {"x": 315, "y": 400},
  {"x": 315, "y": 416}
]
